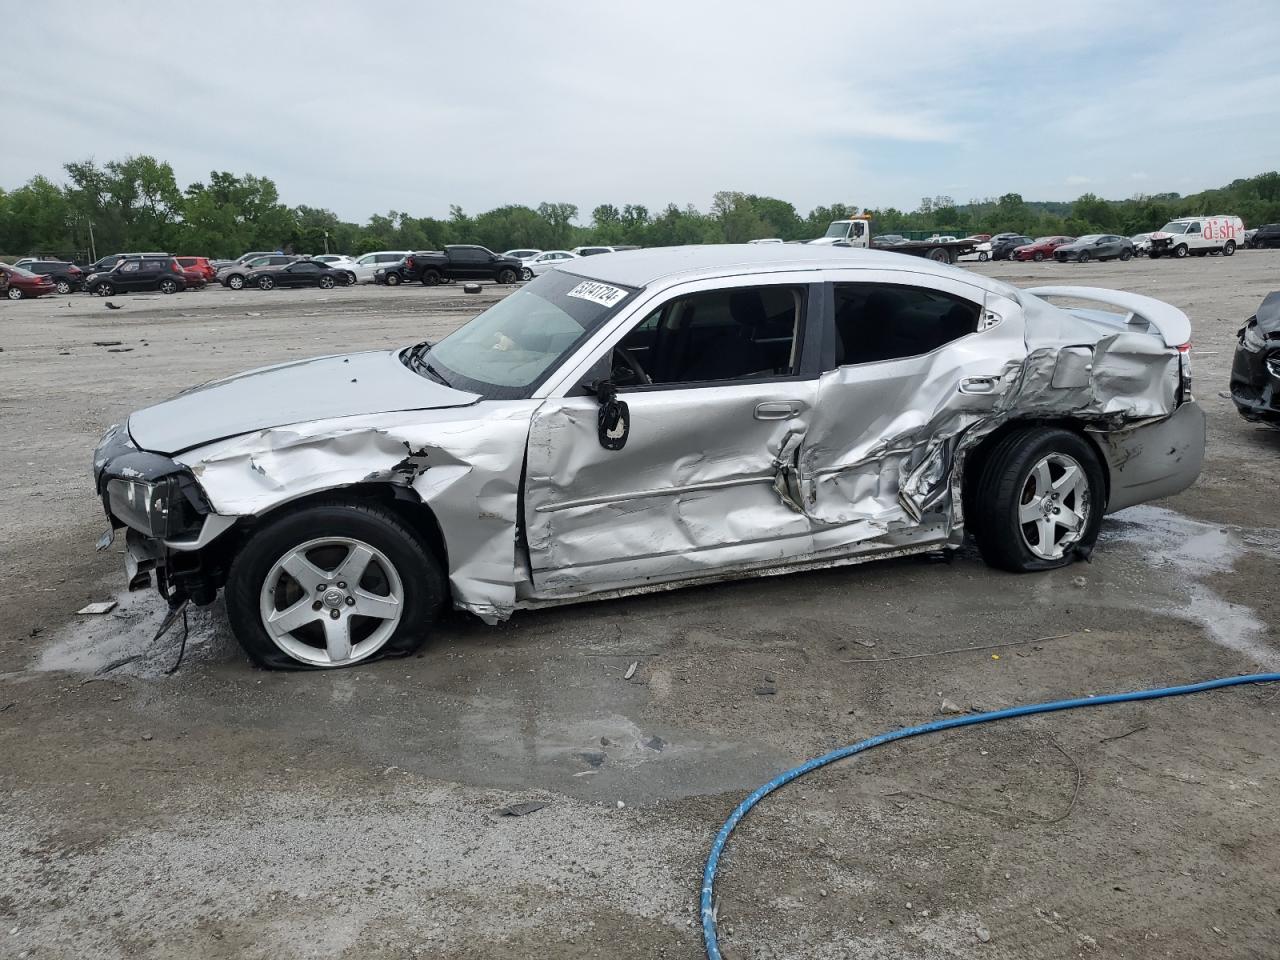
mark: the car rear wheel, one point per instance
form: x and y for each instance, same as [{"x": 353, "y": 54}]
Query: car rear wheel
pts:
[
  {"x": 332, "y": 585},
  {"x": 1180, "y": 251},
  {"x": 526, "y": 274},
  {"x": 104, "y": 289},
  {"x": 236, "y": 282},
  {"x": 14, "y": 293},
  {"x": 1083, "y": 257},
  {"x": 507, "y": 275},
  {"x": 1037, "y": 256},
  {"x": 1126, "y": 253},
  {"x": 983, "y": 256},
  {"x": 430, "y": 277},
  {"x": 1228, "y": 248},
  {"x": 1039, "y": 500},
  {"x": 167, "y": 286},
  {"x": 64, "y": 286},
  {"x": 351, "y": 279},
  {"x": 326, "y": 283}
]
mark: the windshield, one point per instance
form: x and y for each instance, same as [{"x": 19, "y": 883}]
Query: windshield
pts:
[
  {"x": 510, "y": 348},
  {"x": 1173, "y": 226},
  {"x": 838, "y": 229}
]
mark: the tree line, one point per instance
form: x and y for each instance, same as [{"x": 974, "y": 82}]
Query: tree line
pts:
[{"x": 136, "y": 204}]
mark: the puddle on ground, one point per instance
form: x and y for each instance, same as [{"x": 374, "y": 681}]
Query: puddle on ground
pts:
[
  {"x": 122, "y": 641},
  {"x": 1193, "y": 551}
]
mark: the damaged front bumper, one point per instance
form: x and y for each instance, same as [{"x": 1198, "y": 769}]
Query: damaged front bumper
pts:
[{"x": 1255, "y": 373}]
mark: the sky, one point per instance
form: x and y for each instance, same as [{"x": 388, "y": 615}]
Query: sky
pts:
[{"x": 413, "y": 107}]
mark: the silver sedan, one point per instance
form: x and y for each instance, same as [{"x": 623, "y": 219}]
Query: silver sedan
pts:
[{"x": 641, "y": 421}]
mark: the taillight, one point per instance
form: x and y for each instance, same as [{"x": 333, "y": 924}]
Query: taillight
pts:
[{"x": 1184, "y": 371}]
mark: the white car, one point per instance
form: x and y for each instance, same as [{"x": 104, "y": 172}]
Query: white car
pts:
[
  {"x": 544, "y": 262},
  {"x": 590, "y": 251},
  {"x": 338, "y": 261},
  {"x": 522, "y": 253},
  {"x": 767, "y": 240},
  {"x": 370, "y": 263}
]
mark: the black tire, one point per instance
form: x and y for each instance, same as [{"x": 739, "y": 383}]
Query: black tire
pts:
[
  {"x": 1153, "y": 254},
  {"x": 167, "y": 286},
  {"x": 1037, "y": 256},
  {"x": 63, "y": 287},
  {"x": 104, "y": 289},
  {"x": 265, "y": 283},
  {"x": 14, "y": 293},
  {"x": 235, "y": 282},
  {"x": 430, "y": 277},
  {"x": 526, "y": 274},
  {"x": 983, "y": 256},
  {"x": 1126, "y": 254},
  {"x": 1083, "y": 257},
  {"x": 393, "y": 279},
  {"x": 325, "y": 283},
  {"x": 1180, "y": 251},
  {"x": 995, "y": 501},
  {"x": 507, "y": 275},
  {"x": 419, "y": 570},
  {"x": 351, "y": 279},
  {"x": 1228, "y": 248}
]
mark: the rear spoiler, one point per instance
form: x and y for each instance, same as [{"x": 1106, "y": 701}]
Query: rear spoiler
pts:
[{"x": 1172, "y": 323}]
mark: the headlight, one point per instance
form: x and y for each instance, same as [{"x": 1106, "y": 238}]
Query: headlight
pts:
[
  {"x": 1273, "y": 366},
  {"x": 1251, "y": 339},
  {"x": 157, "y": 508}
]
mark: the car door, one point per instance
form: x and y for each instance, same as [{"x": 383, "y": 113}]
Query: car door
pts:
[
  {"x": 304, "y": 273},
  {"x": 914, "y": 360},
  {"x": 697, "y": 484},
  {"x": 128, "y": 276}
]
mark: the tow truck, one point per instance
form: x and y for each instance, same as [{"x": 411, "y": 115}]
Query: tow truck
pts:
[{"x": 858, "y": 232}]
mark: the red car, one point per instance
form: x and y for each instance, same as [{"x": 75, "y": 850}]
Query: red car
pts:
[
  {"x": 24, "y": 283},
  {"x": 200, "y": 265},
  {"x": 1042, "y": 249}
]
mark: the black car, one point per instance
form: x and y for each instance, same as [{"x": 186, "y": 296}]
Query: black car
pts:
[
  {"x": 1002, "y": 247},
  {"x": 456, "y": 262},
  {"x": 1255, "y": 370},
  {"x": 1267, "y": 235},
  {"x": 300, "y": 273},
  {"x": 68, "y": 277},
  {"x": 144, "y": 273}
]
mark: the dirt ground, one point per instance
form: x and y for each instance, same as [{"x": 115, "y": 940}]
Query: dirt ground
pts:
[{"x": 224, "y": 811}]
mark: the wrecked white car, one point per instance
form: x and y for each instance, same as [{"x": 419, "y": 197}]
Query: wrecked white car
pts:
[{"x": 644, "y": 420}]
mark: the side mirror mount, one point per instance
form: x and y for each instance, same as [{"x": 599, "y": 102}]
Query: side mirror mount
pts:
[{"x": 613, "y": 421}]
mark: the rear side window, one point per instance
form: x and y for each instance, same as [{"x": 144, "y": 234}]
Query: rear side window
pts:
[{"x": 877, "y": 322}]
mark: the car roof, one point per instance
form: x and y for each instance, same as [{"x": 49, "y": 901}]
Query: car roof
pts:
[{"x": 642, "y": 268}]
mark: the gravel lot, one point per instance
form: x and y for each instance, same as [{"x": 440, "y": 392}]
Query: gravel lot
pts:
[{"x": 228, "y": 812}]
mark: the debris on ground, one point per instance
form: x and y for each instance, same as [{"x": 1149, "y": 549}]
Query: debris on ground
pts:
[
  {"x": 983, "y": 935},
  {"x": 97, "y": 607},
  {"x": 766, "y": 690},
  {"x": 1079, "y": 581},
  {"x": 655, "y": 743},
  {"x": 950, "y": 706},
  {"x": 107, "y": 343},
  {"x": 592, "y": 758},
  {"x": 522, "y": 809},
  {"x": 631, "y": 670}
]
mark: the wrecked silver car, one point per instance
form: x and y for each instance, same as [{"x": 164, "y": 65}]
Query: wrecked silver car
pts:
[{"x": 650, "y": 419}]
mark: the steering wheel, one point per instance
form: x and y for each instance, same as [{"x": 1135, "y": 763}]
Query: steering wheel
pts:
[{"x": 629, "y": 359}]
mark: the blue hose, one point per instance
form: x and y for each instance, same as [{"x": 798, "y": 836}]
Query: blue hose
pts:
[{"x": 713, "y": 859}]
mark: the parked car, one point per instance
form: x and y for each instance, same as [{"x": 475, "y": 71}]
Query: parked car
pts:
[
  {"x": 4, "y": 281},
  {"x": 235, "y": 276},
  {"x": 545, "y": 261},
  {"x": 454, "y": 262},
  {"x": 1267, "y": 235},
  {"x": 1095, "y": 246},
  {"x": 200, "y": 265},
  {"x": 1141, "y": 244},
  {"x": 67, "y": 277},
  {"x": 1255, "y": 369},
  {"x": 131, "y": 276},
  {"x": 193, "y": 278},
  {"x": 1197, "y": 236},
  {"x": 338, "y": 261},
  {"x": 678, "y": 416},
  {"x": 592, "y": 251},
  {"x": 888, "y": 240},
  {"x": 22, "y": 284},
  {"x": 369, "y": 264},
  {"x": 1002, "y": 247},
  {"x": 107, "y": 264},
  {"x": 1039, "y": 249},
  {"x": 524, "y": 253},
  {"x": 299, "y": 273}
]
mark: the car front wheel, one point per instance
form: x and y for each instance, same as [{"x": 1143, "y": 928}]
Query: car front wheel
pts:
[
  {"x": 104, "y": 289},
  {"x": 1180, "y": 251},
  {"x": 983, "y": 256},
  {"x": 236, "y": 283},
  {"x": 1038, "y": 501},
  {"x": 64, "y": 286},
  {"x": 332, "y": 585},
  {"x": 326, "y": 283},
  {"x": 393, "y": 279},
  {"x": 526, "y": 274},
  {"x": 1084, "y": 257}
]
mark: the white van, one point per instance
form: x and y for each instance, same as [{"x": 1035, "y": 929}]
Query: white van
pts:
[{"x": 1199, "y": 235}]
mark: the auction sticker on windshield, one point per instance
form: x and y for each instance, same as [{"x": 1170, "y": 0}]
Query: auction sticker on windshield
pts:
[{"x": 600, "y": 293}]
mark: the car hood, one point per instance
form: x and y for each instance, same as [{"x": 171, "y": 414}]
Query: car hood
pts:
[{"x": 317, "y": 389}]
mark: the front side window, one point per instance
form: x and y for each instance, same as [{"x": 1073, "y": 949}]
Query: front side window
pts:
[
  {"x": 738, "y": 334},
  {"x": 1194, "y": 228},
  {"x": 509, "y": 349},
  {"x": 876, "y": 322}
]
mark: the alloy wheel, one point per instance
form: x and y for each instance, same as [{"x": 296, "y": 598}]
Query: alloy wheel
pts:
[{"x": 1053, "y": 511}]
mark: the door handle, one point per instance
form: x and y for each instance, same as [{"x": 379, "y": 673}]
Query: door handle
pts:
[
  {"x": 777, "y": 409},
  {"x": 979, "y": 384}
]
